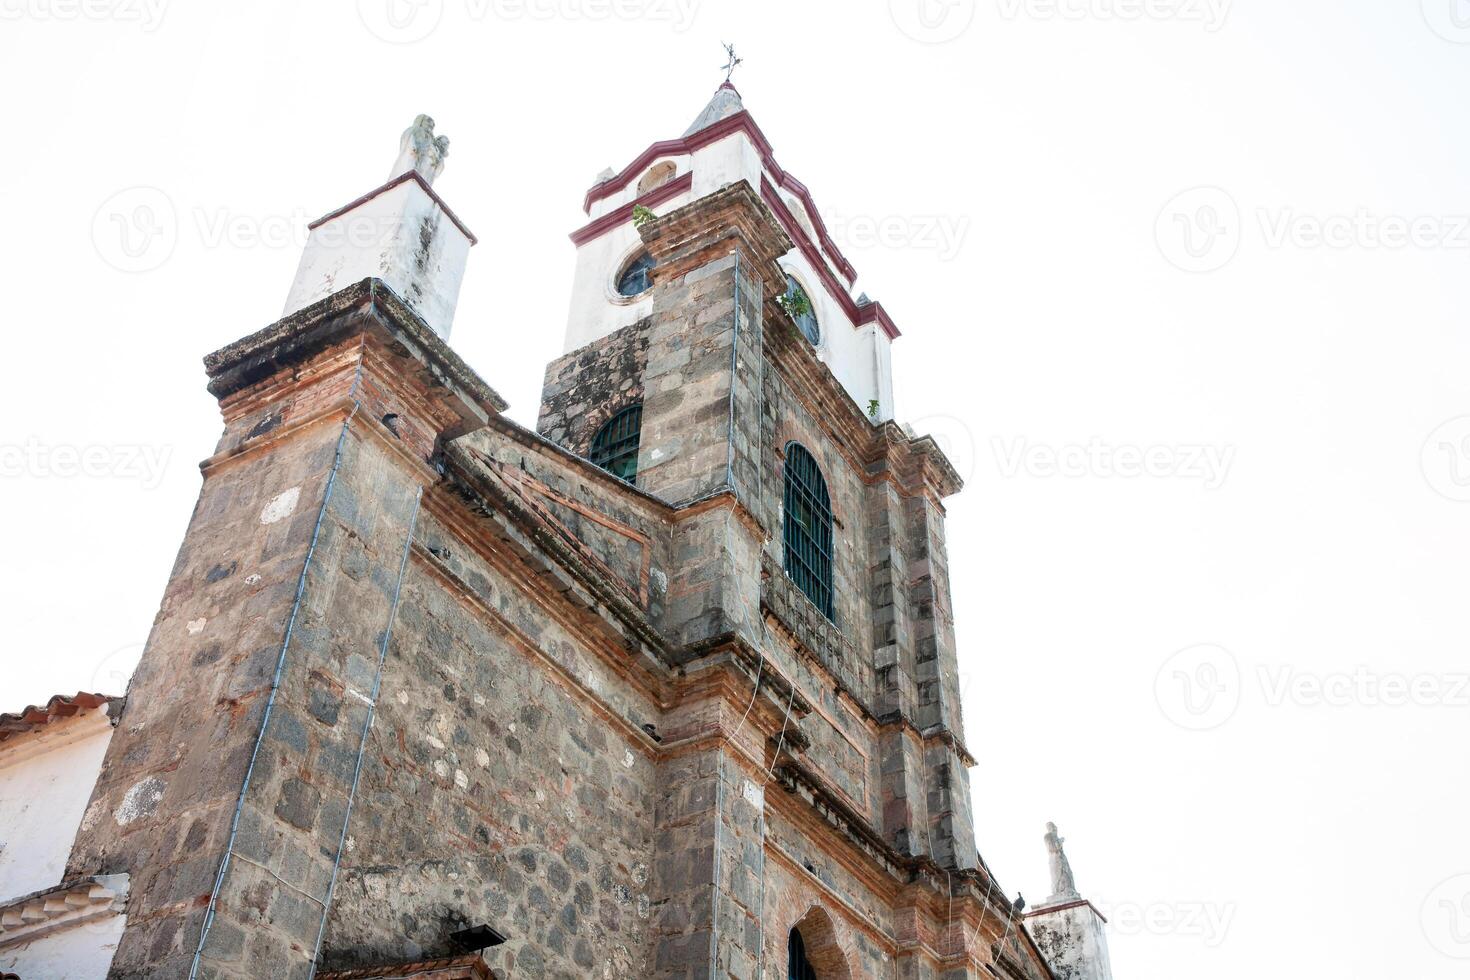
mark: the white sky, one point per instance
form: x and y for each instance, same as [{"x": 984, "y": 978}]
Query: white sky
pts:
[{"x": 1295, "y": 838}]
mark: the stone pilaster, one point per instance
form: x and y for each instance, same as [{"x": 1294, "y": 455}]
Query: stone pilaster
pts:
[
  {"x": 715, "y": 267},
  {"x": 715, "y": 270},
  {"x": 226, "y": 787}
]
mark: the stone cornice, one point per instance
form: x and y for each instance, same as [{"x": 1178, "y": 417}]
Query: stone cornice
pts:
[
  {"x": 292, "y": 341},
  {"x": 62, "y": 907},
  {"x": 706, "y": 229}
]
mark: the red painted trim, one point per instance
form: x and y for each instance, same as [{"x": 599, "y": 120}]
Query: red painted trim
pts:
[
  {"x": 740, "y": 122},
  {"x": 406, "y": 175},
  {"x": 618, "y": 216},
  {"x": 859, "y": 315},
  {"x": 874, "y": 312}
]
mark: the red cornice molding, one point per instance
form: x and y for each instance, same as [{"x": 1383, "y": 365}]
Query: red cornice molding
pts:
[
  {"x": 740, "y": 121},
  {"x": 406, "y": 175},
  {"x": 859, "y": 315},
  {"x": 618, "y": 216}
]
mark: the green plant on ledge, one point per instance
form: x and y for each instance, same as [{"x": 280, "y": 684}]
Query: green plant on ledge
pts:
[
  {"x": 642, "y": 216},
  {"x": 873, "y": 409},
  {"x": 796, "y": 304}
]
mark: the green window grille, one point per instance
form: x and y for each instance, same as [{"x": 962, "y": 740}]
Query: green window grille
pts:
[
  {"x": 798, "y": 967},
  {"x": 807, "y": 528},
  {"x": 615, "y": 447}
]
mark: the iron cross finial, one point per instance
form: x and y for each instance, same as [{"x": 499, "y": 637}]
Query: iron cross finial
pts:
[{"x": 731, "y": 62}]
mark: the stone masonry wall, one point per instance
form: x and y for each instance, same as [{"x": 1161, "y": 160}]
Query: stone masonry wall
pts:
[
  {"x": 495, "y": 791},
  {"x": 585, "y": 388}
]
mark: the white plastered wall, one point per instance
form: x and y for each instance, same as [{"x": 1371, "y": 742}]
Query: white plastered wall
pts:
[
  {"x": 46, "y": 779},
  {"x": 81, "y": 952}
]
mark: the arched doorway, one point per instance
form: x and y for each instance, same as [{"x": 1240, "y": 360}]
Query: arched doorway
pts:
[{"x": 812, "y": 950}]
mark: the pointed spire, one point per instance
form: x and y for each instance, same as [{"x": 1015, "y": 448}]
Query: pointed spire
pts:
[{"x": 726, "y": 103}]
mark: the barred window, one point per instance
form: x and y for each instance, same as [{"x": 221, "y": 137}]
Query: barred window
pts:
[
  {"x": 807, "y": 528},
  {"x": 798, "y": 967},
  {"x": 615, "y": 447},
  {"x": 636, "y": 278},
  {"x": 806, "y": 320}
]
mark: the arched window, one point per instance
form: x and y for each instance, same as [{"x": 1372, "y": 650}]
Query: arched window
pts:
[
  {"x": 615, "y": 447},
  {"x": 806, "y": 318},
  {"x": 798, "y": 967},
  {"x": 807, "y": 528},
  {"x": 656, "y": 176},
  {"x": 635, "y": 277}
]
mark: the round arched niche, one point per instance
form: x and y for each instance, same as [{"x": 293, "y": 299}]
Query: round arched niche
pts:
[
  {"x": 823, "y": 949},
  {"x": 656, "y": 176}
]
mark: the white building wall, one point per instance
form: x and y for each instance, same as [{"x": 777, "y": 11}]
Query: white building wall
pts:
[
  {"x": 1073, "y": 941},
  {"x": 46, "y": 779},
  {"x": 81, "y": 952},
  {"x": 400, "y": 235},
  {"x": 596, "y": 308}
]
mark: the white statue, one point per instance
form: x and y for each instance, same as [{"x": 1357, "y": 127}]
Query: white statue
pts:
[
  {"x": 421, "y": 150},
  {"x": 1062, "y": 883}
]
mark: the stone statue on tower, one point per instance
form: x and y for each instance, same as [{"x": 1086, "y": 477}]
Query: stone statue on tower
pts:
[
  {"x": 1063, "y": 885},
  {"x": 421, "y": 150}
]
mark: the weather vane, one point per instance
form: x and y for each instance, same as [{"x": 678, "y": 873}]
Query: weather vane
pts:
[{"x": 731, "y": 62}]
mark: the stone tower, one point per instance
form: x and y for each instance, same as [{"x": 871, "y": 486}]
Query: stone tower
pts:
[{"x": 664, "y": 688}]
